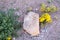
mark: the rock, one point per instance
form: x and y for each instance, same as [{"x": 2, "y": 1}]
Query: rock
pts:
[{"x": 31, "y": 23}]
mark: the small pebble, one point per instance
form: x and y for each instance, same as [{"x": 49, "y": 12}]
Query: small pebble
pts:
[
  {"x": 43, "y": 30},
  {"x": 36, "y": 9},
  {"x": 55, "y": 17},
  {"x": 14, "y": 38},
  {"x": 29, "y": 9}
]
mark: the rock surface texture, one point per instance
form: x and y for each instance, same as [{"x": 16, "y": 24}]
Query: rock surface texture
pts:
[{"x": 31, "y": 23}]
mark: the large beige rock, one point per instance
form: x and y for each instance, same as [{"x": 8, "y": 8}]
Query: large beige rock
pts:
[{"x": 31, "y": 23}]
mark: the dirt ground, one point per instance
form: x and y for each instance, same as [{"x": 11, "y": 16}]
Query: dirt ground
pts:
[{"x": 50, "y": 32}]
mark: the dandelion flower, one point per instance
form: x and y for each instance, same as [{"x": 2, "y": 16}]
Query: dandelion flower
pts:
[
  {"x": 8, "y": 38},
  {"x": 45, "y": 17},
  {"x": 41, "y": 19}
]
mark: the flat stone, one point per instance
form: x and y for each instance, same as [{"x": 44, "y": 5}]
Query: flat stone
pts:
[{"x": 31, "y": 23}]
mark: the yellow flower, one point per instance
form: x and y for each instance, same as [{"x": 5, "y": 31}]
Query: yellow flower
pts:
[
  {"x": 48, "y": 19},
  {"x": 43, "y": 7},
  {"x": 8, "y": 38},
  {"x": 41, "y": 19},
  {"x": 45, "y": 17},
  {"x": 53, "y": 8},
  {"x": 48, "y": 9}
]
